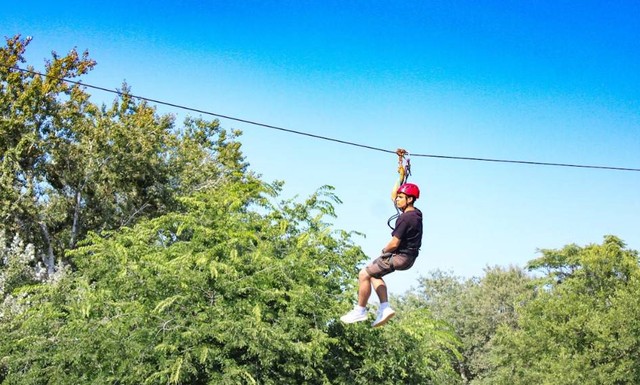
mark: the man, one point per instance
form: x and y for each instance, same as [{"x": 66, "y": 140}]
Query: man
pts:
[{"x": 399, "y": 254}]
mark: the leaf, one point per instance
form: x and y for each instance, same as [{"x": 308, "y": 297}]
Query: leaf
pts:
[
  {"x": 213, "y": 272},
  {"x": 162, "y": 305},
  {"x": 175, "y": 371},
  {"x": 257, "y": 312},
  {"x": 164, "y": 348},
  {"x": 204, "y": 354}
]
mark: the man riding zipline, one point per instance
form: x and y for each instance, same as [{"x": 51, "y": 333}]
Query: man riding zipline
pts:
[{"x": 400, "y": 253}]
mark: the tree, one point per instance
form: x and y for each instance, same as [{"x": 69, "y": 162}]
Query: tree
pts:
[
  {"x": 33, "y": 114},
  {"x": 582, "y": 327},
  {"x": 413, "y": 349},
  {"x": 70, "y": 167},
  {"x": 230, "y": 289},
  {"x": 185, "y": 269},
  {"x": 15, "y": 269},
  {"x": 475, "y": 308}
]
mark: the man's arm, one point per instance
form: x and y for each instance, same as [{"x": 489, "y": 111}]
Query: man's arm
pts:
[{"x": 392, "y": 245}]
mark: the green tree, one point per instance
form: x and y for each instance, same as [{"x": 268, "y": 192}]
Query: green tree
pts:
[
  {"x": 186, "y": 270},
  {"x": 413, "y": 349},
  {"x": 475, "y": 308},
  {"x": 230, "y": 289},
  {"x": 582, "y": 327},
  {"x": 69, "y": 166},
  {"x": 15, "y": 268},
  {"x": 34, "y": 110}
]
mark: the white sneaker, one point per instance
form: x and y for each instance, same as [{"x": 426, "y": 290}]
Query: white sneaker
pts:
[
  {"x": 354, "y": 316},
  {"x": 383, "y": 316}
]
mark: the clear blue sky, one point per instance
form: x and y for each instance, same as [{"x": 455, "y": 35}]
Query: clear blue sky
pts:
[{"x": 549, "y": 81}]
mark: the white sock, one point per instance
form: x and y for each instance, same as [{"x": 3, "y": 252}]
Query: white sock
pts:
[
  {"x": 384, "y": 305},
  {"x": 359, "y": 309}
]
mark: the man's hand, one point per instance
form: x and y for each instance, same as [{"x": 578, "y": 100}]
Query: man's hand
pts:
[{"x": 392, "y": 245}]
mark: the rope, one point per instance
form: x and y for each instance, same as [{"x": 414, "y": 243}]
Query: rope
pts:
[{"x": 222, "y": 116}]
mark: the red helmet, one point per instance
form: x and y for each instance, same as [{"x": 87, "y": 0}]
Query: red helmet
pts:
[{"x": 409, "y": 189}]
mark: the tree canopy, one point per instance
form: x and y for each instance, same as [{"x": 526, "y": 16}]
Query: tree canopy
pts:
[
  {"x": 582, "y": 326},
  {"x": 475, "y": 308},
  {"x": 166, "y": 260},
  {"x": 70, "y": 166},
  {"x": 137, "y": 250}
]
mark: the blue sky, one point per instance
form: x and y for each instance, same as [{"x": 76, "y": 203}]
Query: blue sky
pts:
[{"x": 549, "y": 81}]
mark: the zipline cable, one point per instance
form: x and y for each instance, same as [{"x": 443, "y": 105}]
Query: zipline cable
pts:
[
  {"x": 526, "y": 162},
  {"x": 120, "y": 93},
  {"x": 204, "y": 112}
]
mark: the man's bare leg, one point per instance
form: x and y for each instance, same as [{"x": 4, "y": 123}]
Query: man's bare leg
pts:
[
  {"x": 385, "y": 312},
  {"x": 381, "y": 289},
  {"x": 364, "y": 287}
]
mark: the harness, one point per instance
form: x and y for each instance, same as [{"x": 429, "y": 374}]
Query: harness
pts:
[{"x": 404, "y": 170}]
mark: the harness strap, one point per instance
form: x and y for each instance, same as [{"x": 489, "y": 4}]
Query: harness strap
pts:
[{"x": 404, "y": 170}]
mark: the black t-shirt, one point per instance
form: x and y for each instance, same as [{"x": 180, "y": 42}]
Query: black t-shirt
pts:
[{"x": 409, "y": 230}]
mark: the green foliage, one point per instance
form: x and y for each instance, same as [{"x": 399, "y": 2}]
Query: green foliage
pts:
[
  {"x": 230, "y": 289},
  {"x": 187, "y": 270},
  {"x": 15, "y": 269},
  {"x": 35, "y": 111},
  {"x": 582, "y": 327},
  {"x": 414, "y": 349},
  {"x": 475, "y": 308},
  {"x": 210, "y": 294},
  {"x": 70, "y": 167}
]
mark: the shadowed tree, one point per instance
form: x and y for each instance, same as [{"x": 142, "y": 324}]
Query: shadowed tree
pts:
[{"x": 475, "y": 308}]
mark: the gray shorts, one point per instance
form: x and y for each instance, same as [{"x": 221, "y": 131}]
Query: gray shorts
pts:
[{"x": 388, "y": 263}]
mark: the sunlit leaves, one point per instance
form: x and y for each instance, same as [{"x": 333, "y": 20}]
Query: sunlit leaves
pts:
[
  {"x": 582, "y": 327},
  {"x": 70, "y": 167}
]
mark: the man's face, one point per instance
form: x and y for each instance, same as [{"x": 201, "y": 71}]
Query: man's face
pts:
[{"x": 401, "y": 201}]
